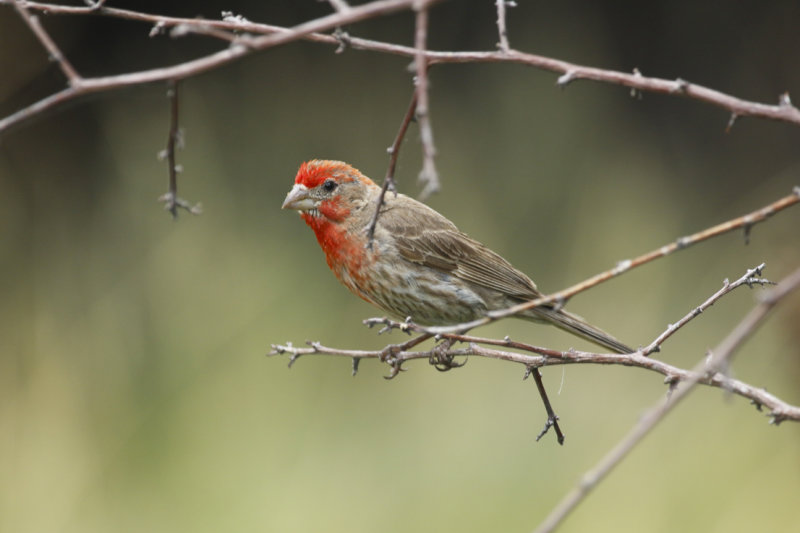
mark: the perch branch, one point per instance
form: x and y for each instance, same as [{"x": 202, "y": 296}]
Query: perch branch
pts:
[
  {"x": 719, "y": 359},
  {"x": 397, "y": 355}
]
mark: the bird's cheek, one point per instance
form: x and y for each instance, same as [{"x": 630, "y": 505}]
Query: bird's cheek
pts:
[{"x": 334, "y": 209}]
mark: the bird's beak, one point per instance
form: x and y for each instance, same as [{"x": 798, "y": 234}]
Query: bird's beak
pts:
[{"x": 298, "y": 199}]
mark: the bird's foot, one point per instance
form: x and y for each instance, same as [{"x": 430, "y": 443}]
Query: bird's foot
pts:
[{"x": 441, "y": 358}]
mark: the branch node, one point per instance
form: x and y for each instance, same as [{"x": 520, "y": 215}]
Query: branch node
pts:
[
  {"x": 731, "y": 122},
  {"x": 528, "y": 370},
  {"x": 672, "y": 384},
  {"x": 777, "y": 418},
  {"x": 173, "y": 203},
  {"x": 228, "y": 16},
  {"x": 784, "y": 100},
  {"x": 683, "y": 242},
  {"x": 635, "y": 91},
  {"x": 758, "y": 405},
  {"x": 159, "y": 28},
  {"x": 551, "y": 421},
  {"x": 681, "y": 86},
  {"x": 343, "y": 38},
  {"x": 566, "y": 78},
  {"x": 622, "y": 266},
  {"x": 748, "y": 225}
]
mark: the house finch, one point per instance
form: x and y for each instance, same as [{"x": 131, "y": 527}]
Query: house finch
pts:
[{"x": 419, "y": 265}]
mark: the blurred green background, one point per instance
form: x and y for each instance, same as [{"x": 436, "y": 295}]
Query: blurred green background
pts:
[{"x": 134, "y": 390}]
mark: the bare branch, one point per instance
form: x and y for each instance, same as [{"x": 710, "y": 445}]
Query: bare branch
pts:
[
  {"x": 501, "y": 24},
  {"x": 396, "y": 355},
  {"x": 196, "y": 66},
  {"x": 170, "y": 199},
  {"x": 736, "y": 107},
  {"x": 719, "y": 359},
  {"x": 552, "y": 419},
  {"x": 394, "y": 153},
  {"x": 428, "y": 176},
  {"x": 748, "y": 279},
  {"x": 55, "y": 53}
]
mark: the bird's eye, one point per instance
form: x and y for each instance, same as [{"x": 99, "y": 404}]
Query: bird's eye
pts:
[{"x": 329, "y": 185}]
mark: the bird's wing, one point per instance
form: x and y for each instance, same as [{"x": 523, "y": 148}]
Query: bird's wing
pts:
[{"x": 425, "y": 237}]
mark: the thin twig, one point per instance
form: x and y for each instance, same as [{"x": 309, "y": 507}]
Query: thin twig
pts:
[
  {"x": 748, "y": 279},
  {"x": 55, "y": 52},
  {"x": 719, "y": 360},
  {"x": 428, "y": 176},
  {"x": 394, "y": 153},
  {"x": 552, "y": 419},
  {"x": 501, "y": 25},
  {"x": 744, "y": 221},
  {"x": 174, "y": 140}
]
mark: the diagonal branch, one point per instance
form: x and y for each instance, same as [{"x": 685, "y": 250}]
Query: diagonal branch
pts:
[
  {"x": 55, "y": 52},
  {"x": 718, "y": 361},
  {"x": 749, "y": 279},
  {"x": 394, "y": 153},
  {"x": 745, "y": 222}
]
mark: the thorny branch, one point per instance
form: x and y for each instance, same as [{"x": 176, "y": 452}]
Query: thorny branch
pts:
[
  {"x": 784, "y": 110},
  {"x": 396, "y": 355},
  {"x": 714, "y": 366}
]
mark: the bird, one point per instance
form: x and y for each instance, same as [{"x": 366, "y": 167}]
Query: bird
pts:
[{"x": 418, "y": 264}]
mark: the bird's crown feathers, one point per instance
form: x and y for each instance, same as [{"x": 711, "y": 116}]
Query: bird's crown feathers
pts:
[{"x": 313, "y": 173}]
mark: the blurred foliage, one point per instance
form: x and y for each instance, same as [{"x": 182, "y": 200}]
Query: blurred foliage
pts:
[{"x": 134, "y": 391}]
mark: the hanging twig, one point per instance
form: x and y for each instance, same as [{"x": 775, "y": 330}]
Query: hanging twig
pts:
[{"x": 170, "y": 199}]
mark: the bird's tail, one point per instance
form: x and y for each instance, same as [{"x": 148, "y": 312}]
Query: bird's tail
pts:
[{"x": 577, "y": 326}]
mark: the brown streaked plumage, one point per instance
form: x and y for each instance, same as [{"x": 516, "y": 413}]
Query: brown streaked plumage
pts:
[{"x": 420, "y": 264}]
